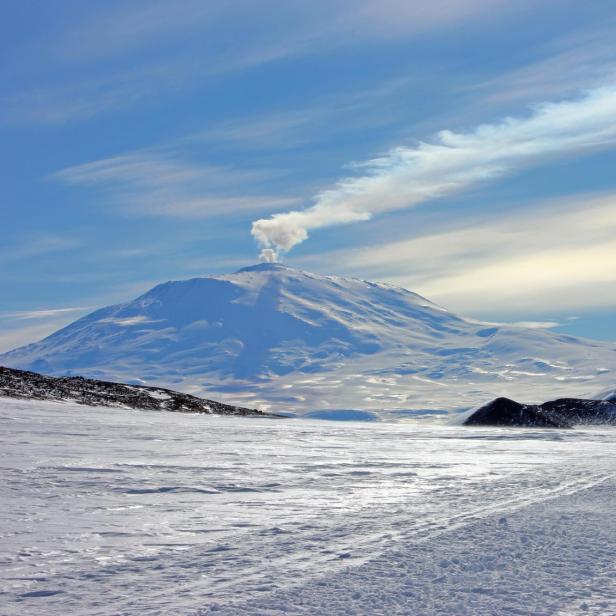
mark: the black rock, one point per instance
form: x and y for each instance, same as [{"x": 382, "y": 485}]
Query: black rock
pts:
[
  {"x": 579, "y": 411},
  {"x": 34, "y": 386},
  {"x": 506, "y": 412},
  {"x": 561, "y": 413}
]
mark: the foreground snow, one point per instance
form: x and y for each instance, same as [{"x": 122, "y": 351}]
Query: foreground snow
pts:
[{"x": 109, "y": 511}]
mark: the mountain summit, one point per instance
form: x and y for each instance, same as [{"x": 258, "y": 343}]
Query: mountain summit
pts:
[{"x": 288, "y": 339}]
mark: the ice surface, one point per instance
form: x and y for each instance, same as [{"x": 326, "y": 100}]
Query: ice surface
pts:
[
  {"x": 277, "y": 338},
  {"x": 107, "y": 511}
]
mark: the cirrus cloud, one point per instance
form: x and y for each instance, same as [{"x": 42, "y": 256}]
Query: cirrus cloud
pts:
[{"x": 546, "y": 258}]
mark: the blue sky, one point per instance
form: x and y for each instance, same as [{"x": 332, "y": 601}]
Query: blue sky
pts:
[{"x": 143, "y": 140}]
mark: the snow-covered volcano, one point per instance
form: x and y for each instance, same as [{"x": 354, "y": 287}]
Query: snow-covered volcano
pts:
[{"x": 287, "y": 339}]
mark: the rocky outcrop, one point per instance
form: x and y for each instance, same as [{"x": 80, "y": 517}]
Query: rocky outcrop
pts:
[
  {"x": 34, "y": 386},
  {"x": 561, "y": 413},
  {"x": 579, "y": 411},
  {"x": 506, "y": 412}
]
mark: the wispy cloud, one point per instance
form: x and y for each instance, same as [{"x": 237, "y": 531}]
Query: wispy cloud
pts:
[
  {"x": 184, "y": 47},
  {"x": 324, "y": 119},
  {"x": 164, "y": 184},
  {"x": 553, "y": 257},
  {"x": 139, "y": 51},
  {"x": 558, "y": 68},
  {"x": 135, "y": 25},
  {"x": 285, "y": 129},
  {"x": 452, "y": 162},
  {"x": 305, "y": 28},
  {"x": 395, "y": 18},
  {"x": 37, "y": 245},
  {"x": 13, "y": 338},
  {"x": 40, "y": 323},
  {"x": 63, "y": 101},
  {"x": 21, "y": 315}
]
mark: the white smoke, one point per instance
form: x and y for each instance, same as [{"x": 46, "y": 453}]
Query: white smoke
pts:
[
  {"x": 407, "y": 176},
  {"x": 267, "y": 255}
]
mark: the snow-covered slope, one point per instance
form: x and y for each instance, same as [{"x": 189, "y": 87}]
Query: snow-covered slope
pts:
[{"x": 286, "y": 339}]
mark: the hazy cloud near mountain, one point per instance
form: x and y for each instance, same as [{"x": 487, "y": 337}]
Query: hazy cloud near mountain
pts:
[{"x": 511, "y": 263}]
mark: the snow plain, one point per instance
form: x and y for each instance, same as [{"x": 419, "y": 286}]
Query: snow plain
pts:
[{"x": 110, "y": 511}]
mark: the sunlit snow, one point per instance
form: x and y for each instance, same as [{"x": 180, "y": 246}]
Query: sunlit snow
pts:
[
  {"x": 277, "y": 338},
  {"x": 109, "y": 511}
]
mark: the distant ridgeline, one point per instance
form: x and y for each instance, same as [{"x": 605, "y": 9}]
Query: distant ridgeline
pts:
[
  {"x": 33, "y": 386},
  {"x": 306, "y": 342},
  {"x": 562, "y": 413}
]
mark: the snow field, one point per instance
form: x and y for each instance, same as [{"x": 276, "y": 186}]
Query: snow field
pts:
[{"x": 108, "y": 511}]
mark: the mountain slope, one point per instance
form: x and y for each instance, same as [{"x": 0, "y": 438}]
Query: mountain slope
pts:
[{"x": 286, "y": 339}]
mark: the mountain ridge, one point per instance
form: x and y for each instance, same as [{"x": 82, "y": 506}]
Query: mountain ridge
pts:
[{"x": 282, "y": 338}]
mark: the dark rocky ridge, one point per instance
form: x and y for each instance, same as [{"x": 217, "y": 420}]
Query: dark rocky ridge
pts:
[
  {"x": 33, "y": 386},
  {"x": 561, "y": 413}
]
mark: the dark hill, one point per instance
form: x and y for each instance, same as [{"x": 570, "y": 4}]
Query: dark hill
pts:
[
  {"x": 561, "y": 413},
  {"x": 33, "y": 386}
]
